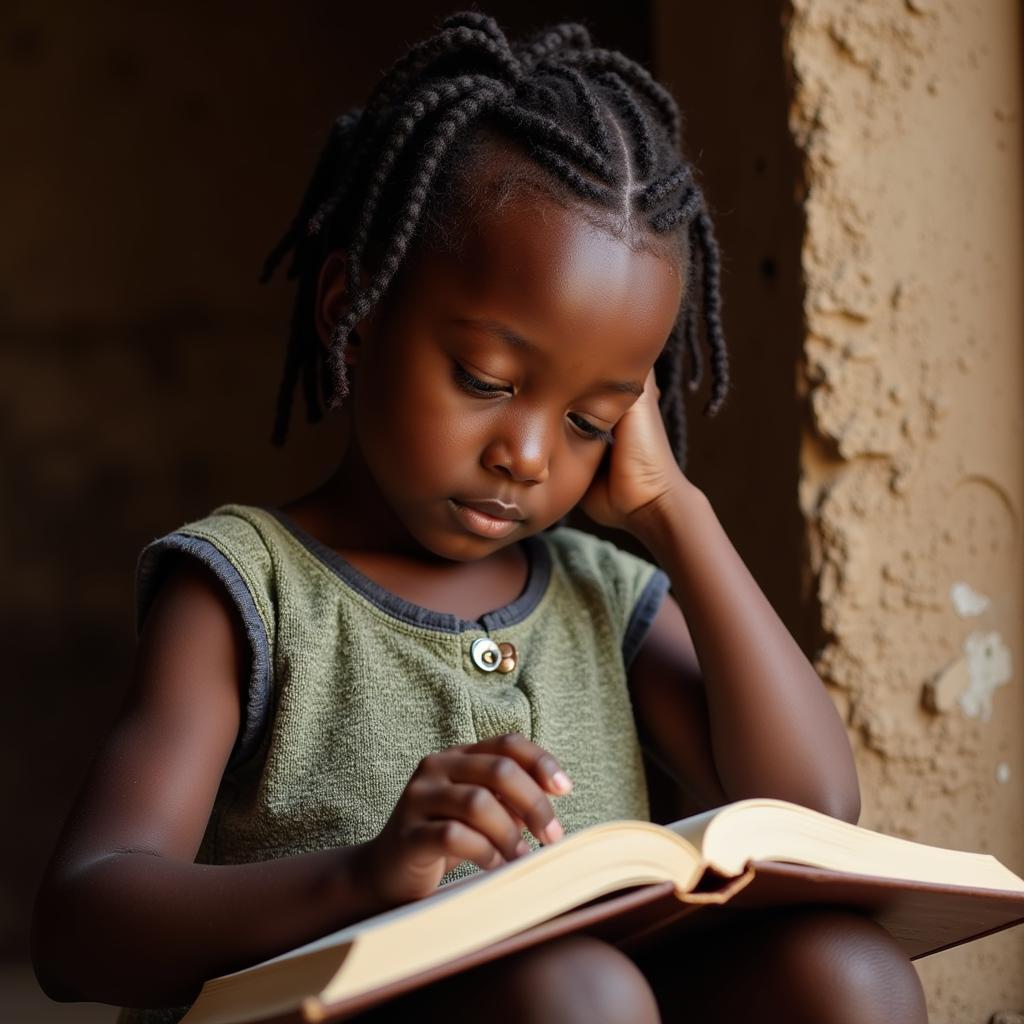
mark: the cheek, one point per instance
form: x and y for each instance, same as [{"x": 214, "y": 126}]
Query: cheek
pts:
[
  {"x": 412, "y": 427},
  {"x": 421, "y": 437},
  {"x": 595, "y": 464}
]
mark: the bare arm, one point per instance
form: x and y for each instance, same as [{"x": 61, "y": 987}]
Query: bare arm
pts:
[
  {"x": 731, "y": 703},
  {"x": 123, "y": 915}
]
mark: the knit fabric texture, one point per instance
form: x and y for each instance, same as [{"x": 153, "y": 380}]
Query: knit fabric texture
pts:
[{"x": 350, "y": 686}]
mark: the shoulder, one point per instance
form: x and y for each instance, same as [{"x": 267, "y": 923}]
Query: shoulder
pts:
[
  {"x": 220, "y": 569},
  {"x": 237, "y": 531},
  {"x": 233, "y": 543}
]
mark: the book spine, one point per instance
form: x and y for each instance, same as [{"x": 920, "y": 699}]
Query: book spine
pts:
[{"x": 713, "y": 889}]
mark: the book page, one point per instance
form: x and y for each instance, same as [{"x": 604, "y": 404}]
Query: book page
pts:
[
  {"x": 768, "y": 829},
  {"x": 600, "y": 859},
  {"x": 692, "y": 829},
  {"x": 617, "y": 843},
  {"x": 348, "y": 934}
]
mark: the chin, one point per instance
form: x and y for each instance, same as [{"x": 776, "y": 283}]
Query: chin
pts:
[
  {"x": 445, "y": 541},
  {"x": 560, "y": 521}
]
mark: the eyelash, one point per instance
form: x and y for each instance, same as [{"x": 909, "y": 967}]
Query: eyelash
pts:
[{"x": 474, "y": 386}]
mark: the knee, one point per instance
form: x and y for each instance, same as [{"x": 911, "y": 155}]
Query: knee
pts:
[
  {"x": 846, "y": 967},
  {"x": 578, "y": 978}
]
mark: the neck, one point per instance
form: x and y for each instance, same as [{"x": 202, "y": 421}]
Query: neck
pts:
[{"x": 347, "y": 512}]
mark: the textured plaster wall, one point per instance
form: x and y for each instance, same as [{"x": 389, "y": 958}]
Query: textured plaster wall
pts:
[{"x": 908, "y": 115}]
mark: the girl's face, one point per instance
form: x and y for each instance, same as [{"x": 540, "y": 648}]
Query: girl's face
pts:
[{"x": 487, "y": 371}]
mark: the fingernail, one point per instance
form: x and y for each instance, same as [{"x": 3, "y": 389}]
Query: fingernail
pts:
[
  {"x": 554, "y": 831},
  {"x": 562, "y": 781},
  {"x": 523, "y": 848}
]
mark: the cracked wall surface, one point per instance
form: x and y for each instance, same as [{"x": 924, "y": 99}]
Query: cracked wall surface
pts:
[{"x": 908, "y": 116}]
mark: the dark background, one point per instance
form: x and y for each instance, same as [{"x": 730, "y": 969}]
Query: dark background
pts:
[{"x": 151, "y": 159}]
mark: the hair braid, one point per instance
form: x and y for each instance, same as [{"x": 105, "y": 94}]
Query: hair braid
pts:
[
  {"x": 396, "y": 172},
  {"x": 640, "y": 77},
  {"x": 415, "y": 111},
  {"x": 474, "y": 19},
  {"x": 300, "y": 357},
  {"x": 710, "y": 263},
  {"x": 690, "y": 202},
  {"x": 541, "y": 129},
  {"x": 638, "y": 122},
  {"x": 657, "y": 191},
  {"x": 454, "y": 39},
  {"x": 694, "y": 274},
  {"x": 671, "y": 399},
  {"x": 338, "y": 140},
  {"x": 568, "y": 36},
  {"x": 597, "y": 130},
  {"x": 464, "y": 110}
]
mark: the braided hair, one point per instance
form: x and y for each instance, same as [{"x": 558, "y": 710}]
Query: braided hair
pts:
[{"x": 596, "y": 130}]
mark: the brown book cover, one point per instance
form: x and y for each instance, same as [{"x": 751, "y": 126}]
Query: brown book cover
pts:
[
  {"x": 633, "y": 884},
  {"x": 918, "y": 915}
]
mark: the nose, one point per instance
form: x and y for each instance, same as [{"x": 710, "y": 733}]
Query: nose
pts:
[{"x": 522, "y": 446}]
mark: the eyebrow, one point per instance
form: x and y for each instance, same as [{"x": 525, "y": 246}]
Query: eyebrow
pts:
[{"x": 515, "y": 340}]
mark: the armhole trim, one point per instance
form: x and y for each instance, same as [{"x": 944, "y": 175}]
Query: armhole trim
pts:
[
  {"x": 643, "y": 614},
  {"x": 255, "y": 698}
]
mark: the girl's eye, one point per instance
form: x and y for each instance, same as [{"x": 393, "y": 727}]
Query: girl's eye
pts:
[
  {"x": 475, "y": 386},
  {"x": 594, "y": 432}
]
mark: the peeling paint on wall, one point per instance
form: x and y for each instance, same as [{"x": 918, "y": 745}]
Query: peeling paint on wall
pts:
[
  {"x": 988, "y": 666},
  {"x": 908, "y": 116},
  {"x": 967, "y": 601},
  {"x": 970, "y": 681}
]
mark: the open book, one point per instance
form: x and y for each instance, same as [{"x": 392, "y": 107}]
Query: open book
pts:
[{"x": 629, "y": 882}]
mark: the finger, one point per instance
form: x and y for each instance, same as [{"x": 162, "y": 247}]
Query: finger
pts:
[
  {"x": 520, "y": 824},
  {"x": 456, "y": 840},
  {"x": 516, "y": 788},
  {"x": 540, "y": 763},
  {"x": 535, "y": 761},
  {"x": 480, "y": 809}
]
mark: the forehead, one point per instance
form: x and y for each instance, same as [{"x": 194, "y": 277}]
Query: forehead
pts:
[{"x": 558, "y": 279}]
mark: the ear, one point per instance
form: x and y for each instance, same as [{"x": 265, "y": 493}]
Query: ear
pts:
[{"x": 332, "y": 303}]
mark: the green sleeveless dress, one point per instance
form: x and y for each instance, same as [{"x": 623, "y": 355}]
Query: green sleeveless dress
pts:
[{"x": 351, "y": 685}]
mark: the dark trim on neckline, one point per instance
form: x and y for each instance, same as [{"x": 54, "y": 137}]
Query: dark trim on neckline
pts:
[{"x": 538, "y": 560}]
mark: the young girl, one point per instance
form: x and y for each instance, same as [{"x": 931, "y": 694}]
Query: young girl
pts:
[{"x": 418, "y": 671}]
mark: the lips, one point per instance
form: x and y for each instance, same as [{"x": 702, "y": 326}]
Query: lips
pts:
[{"x": 493, "y": 507}]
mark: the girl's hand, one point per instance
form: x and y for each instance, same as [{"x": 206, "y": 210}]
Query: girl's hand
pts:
[
  {"x": 465, "y": 803},
  {"x": 638, "y": 469}
]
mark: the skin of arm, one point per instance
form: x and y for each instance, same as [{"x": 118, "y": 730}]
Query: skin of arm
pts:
[
  {"x": 123, "y": 914},
  {"x": 728, "y": 702}
]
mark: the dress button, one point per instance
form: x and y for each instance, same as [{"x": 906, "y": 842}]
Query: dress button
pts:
[
  {"x": 490, "y": 657},
  {"x": 508, "y": 658},
  {"x": 485, "y": 653}
]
